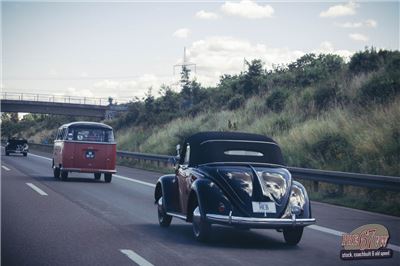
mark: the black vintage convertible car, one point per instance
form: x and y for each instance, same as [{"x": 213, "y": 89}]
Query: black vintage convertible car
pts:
[{"x": 233, "y": 179}]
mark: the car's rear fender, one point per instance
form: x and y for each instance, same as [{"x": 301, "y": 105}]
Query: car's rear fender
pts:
[
  {"x": 209, "y": 197},
  {"x": 167, "y": 187}
]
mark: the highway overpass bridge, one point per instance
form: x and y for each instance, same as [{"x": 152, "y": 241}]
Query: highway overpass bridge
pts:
[{"x": 58, "y": 105}]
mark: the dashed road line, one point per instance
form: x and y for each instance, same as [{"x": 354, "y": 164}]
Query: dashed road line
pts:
[
  {"x": 313, "y": 227},
  {"x": 38, "y": 190},
  {"x": 135, "y": 257},
  {"x": 5, "y": 168},
  {"x": 135, "y": 180},
  {"x": 35, "y": 155}
]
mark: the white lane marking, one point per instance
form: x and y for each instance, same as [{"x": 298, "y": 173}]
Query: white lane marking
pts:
[
  {"x": 326, "y": 230},
  {"x": 339, "y": 233},
  {"x": 314, "y": 227},
  {"x": 38, "y": 190},
  {"x": 135, "y": 180},
  {"x": 135, "y": 257},
  {"x": 5, "y": 168},
  {"x": 35, "y": 155}
]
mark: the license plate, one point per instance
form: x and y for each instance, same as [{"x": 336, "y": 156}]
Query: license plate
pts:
[{"x": 264, "y": 207}]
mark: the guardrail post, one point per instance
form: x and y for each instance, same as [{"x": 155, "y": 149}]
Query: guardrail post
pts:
[{"x": 315, "y": 186}]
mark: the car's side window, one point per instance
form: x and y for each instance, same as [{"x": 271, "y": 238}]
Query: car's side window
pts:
[{"x": 187, "y": 155}]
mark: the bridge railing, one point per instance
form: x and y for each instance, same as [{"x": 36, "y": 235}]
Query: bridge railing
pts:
[
  {"x": 340, "y": 178},
  {"x": 55, "y": 98}
]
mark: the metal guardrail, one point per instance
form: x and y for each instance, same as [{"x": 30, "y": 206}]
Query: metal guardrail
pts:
[
  {"x": 35, "y": 97},
  {"x": 340, "y": 178}
]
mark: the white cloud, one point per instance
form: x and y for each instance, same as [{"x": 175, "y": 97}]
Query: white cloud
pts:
[
  {"x": 340, "y": 10},
  {"x": 131, "y": 88},
  {"x": 247, "y": 9},
  {"x": 215, "y": 56},
  {"x": 182, "y": 33},
  {"x": 79, "y": 93},
  {"x": 370, "y": 23},
  {"x": 350, "y": 25},
  {"x": 327, "y": 48},
  {"x": 206, "y": 15},
  {"x": 358, "y": 37}
]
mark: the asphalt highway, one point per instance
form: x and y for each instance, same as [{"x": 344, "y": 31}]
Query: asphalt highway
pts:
[{"x": 45, "y": 221}]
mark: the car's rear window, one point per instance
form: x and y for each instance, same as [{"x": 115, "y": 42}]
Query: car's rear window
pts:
[{"x": 90, "y": 135}]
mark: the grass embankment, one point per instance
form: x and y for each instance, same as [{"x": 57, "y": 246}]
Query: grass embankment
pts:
[{"x": 342, "y": 136}]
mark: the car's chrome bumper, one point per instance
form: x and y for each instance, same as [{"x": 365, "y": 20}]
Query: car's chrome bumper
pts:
[{"x": 259, "y": 222}]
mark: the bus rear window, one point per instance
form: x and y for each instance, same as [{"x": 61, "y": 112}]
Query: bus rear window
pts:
[{"x": 90, "y": 135}]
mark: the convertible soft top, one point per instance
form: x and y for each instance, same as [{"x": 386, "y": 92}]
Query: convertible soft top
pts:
[{"x": 210, "y": 147}]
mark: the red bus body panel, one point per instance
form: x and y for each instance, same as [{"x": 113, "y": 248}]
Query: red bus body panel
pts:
[{"x": 85, "y": 157}]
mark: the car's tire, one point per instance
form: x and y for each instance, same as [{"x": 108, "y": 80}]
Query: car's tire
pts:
[
  {"x": 107, "y": 177},
  {"x": 56, "y": 172},
  {"x": 97, "y": 176},
  {"x": 163, "y": 218},
  {"x": 7, "y": 154},
  {"x": 64, "y": 175},
  {"x": 293, "y": 235},
  {"x": 201, "y": 228},
  {"x": 25, "y": 154}
]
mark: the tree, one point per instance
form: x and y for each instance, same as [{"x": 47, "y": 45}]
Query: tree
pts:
[{"x": 251, "y": 80}]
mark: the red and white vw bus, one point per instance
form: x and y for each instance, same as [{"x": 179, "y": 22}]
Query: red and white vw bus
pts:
[{"x": 85, "y": 147}]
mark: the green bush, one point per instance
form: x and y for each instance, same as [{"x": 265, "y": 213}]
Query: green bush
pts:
[
  {"x": 366, "y": 61},
  {"x": 276, "y": 101},
  {"x": 325, "y": 96},
  {"x": 236, "y": 102},
  {"x": 332, "y": 148},
  {"x": 380, "y": 89}
]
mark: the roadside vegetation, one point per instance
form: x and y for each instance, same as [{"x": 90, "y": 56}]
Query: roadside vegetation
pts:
[{"x": 324, "y": 112}]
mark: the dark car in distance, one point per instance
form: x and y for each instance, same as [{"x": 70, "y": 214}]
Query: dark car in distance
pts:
[
  {"x": 19, "y": 146},
  {"x": 233, "y": 179}
]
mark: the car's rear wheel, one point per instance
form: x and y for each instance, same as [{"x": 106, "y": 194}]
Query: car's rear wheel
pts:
[
  {"x": 97, "y": 176},
  {"x": 107, "y": 177},
  {"x": 56, "y": 172},
  {"x": 163, "y": 218},
  {"x": 7, "y": 154},
  {"x": 201, "y": 228},
  {"x": 64, "y": 175},
  {"x": 293, "y": 235},
  {"x": 25, "y": 154}
]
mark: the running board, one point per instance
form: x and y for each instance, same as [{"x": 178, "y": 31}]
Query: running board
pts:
[{"x": 177, "y": 215}]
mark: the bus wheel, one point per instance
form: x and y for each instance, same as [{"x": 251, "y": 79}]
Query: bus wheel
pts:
[
  {"x": 64, "y": 175},
  {"x": 97, "y": 176},
  {"x": 107, "y": 177},
  {"x": 56, "y": 172}
]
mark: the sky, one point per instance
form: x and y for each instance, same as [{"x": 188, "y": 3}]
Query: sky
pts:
[{"x": 121, "y": 49}]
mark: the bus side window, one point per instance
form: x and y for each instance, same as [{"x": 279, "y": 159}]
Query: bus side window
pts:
[
  {"x": 70, "y": 134},
  {"x": 59, "y": 134}
]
